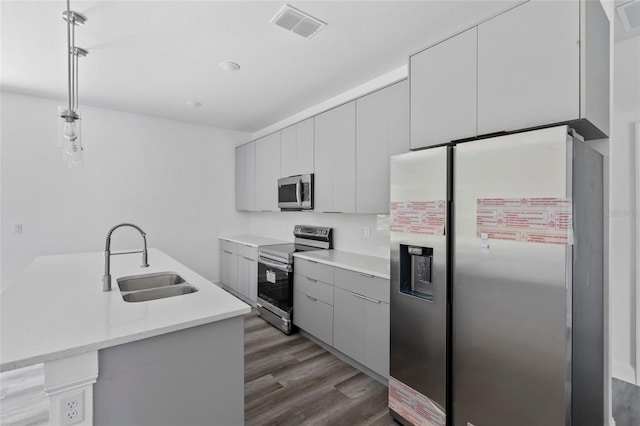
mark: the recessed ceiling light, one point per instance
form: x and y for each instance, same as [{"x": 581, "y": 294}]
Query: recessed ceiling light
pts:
[
  {"x": 194, "y": 104},
  {"x": 229, "y": 66}
]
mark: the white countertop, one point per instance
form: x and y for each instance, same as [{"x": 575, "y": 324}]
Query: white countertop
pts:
[
  {"x": 253, "y": 240},
  {"x": 376, "y": 266},
  {"x": 56, "y": 308}
]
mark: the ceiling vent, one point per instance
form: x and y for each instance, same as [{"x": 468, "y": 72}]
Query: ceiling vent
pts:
[
  {"x": 629, "y": 14},
  {"x": 301, "y": 23}
]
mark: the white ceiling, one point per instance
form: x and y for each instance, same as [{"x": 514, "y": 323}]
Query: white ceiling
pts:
[{"x": 150, "y": 57}]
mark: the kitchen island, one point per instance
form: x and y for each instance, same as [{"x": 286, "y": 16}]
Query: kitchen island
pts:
[{"x": 177, "y": 360}]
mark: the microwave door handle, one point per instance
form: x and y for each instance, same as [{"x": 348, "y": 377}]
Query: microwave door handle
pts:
[{"x": 298, "y": 192}]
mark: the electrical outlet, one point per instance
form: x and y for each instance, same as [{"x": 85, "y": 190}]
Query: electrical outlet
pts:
[
  {"x": 17, "y": 228},
  {"x": 367, "y": 231},
  {"x": 72, "y": 409}
]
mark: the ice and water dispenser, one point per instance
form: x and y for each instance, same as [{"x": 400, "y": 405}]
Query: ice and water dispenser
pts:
[{"x": 416, "y": 265}]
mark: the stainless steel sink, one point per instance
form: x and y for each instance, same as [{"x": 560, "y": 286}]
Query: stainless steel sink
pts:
[
  {"x": 159, "y": 293},
  {"x": 144, "y": 282},
  {"x": 142, "y": 288}
]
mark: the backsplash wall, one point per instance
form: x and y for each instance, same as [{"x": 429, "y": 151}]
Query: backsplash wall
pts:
[{"x": 348, "y": 229}]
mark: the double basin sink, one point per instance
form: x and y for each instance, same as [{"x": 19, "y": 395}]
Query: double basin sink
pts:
[{"x": 142, "y": 288}]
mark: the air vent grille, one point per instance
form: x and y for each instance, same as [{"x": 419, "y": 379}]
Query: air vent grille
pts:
[
  {"x": 629, "y": 14},
  {"x": 301, "y": 23}
]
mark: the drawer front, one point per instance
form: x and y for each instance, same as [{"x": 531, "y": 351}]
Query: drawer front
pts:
[
  {"x": 228, "y": 246},
  {"x": 367, "y": 285},
  {"x": 314, "y": 288},
  {"x": 248, "y": 251},
  {"x": 313, "y": 316},
  {"x": 314, "y": 270}
]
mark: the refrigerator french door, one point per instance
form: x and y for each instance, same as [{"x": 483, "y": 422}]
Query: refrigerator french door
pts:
[
  {"x": 525, "y": 328},
  {"x": 419, "y": 297}
]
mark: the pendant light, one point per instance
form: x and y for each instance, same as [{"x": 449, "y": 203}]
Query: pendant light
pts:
[{"x": 69, "y": 135}]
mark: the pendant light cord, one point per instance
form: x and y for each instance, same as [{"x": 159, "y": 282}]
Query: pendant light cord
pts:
[{"x": 69, "y": 64}]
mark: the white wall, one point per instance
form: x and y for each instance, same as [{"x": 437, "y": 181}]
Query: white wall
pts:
[
  {"x": 173, "y": 179},
  {"x": 622, "y": 213}
]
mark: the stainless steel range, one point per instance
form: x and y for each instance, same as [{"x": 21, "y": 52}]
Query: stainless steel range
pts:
[{"x": 275, "y": 274}]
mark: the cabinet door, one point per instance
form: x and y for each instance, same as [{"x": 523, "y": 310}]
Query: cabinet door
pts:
[
  {"x": 253, "y": 280},
  {"x": 267, "y": 172},
  {"x": 313, "y": 316},
  {"x": 377, "y": 337},
  {"x": 224, "y": 266},
  {"x": 288, "y": 151},
  {"x": 243, "y": 275},
  {"x": 249, "y": 202},
  {"x": 443, "y": 91},
  {"x": 239, "y": 176},
  {"x": 305, "y": 143},
  {"x": 398, "y": 113},
  {"x": 381, "y": 127},
  {"x": 232, "y": 271},
  {"x": 349, "y": 324},
  {"x": 528, "y": 66},
  {"x": 335, "y": 156}
]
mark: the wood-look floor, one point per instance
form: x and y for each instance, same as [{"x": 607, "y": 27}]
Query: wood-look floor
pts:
[{"x": 289, "y": 380}]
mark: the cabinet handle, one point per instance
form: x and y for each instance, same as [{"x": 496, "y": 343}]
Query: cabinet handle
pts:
[
  {"x": 248, "y": 258},
  {"x": 313, "y": 299},
  {"x": 366, "y": 298},
  {"x": 312, "y": 280},
  {"x": 366, "y": 275},
  {"x": 311, "y": 261},
  {"x": 227, "y": 251}
]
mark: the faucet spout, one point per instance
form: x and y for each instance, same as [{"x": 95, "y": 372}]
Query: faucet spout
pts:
[{"x": 106, "y": 279}]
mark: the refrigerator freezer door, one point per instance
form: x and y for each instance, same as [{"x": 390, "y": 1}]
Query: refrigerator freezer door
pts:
[
  {"x": 418, "y": 308},
  {"x": 511, "y": 313}
]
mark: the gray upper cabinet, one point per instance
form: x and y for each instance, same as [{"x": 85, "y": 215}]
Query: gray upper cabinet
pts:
[
  {"x": 267, "y": 172},
  {"x": 335, "y": 156},
  {"x": 542, "y": 63},
  {"x": 245, "y": 177},
  {"x": 443, "y": 91},
  {"x": 382, "y": 129},
  {"x": 296, "y": 144}
]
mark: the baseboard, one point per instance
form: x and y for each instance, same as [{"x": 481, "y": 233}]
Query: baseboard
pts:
[{"x": 623, "y": 372}]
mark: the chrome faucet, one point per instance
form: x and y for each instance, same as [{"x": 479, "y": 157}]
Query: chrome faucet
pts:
[{"x": 106, "y": 279}]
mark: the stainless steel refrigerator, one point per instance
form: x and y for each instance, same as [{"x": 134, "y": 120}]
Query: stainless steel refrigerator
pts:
[{"x": 496, "y": 283}]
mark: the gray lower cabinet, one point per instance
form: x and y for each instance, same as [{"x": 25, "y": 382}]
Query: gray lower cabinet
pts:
[
  {"x": 361, "y": 319},
  {"x": 313, "y": 316},
  {"x": 345, "y": 309},
  {"x": 313, "y": 299},
  {"x": 239, "y": 269}
]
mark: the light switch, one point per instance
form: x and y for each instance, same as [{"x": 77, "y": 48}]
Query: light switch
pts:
[{"x": 17, "y": 228}]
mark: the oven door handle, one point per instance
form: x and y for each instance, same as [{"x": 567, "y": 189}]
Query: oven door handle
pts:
[{"x": 278, "y": 266}]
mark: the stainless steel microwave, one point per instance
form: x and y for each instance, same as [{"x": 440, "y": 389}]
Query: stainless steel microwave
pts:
[{"x": 296, "y": 192}]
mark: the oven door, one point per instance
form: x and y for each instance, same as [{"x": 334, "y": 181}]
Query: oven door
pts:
[{"x": 275, "y": 284}]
